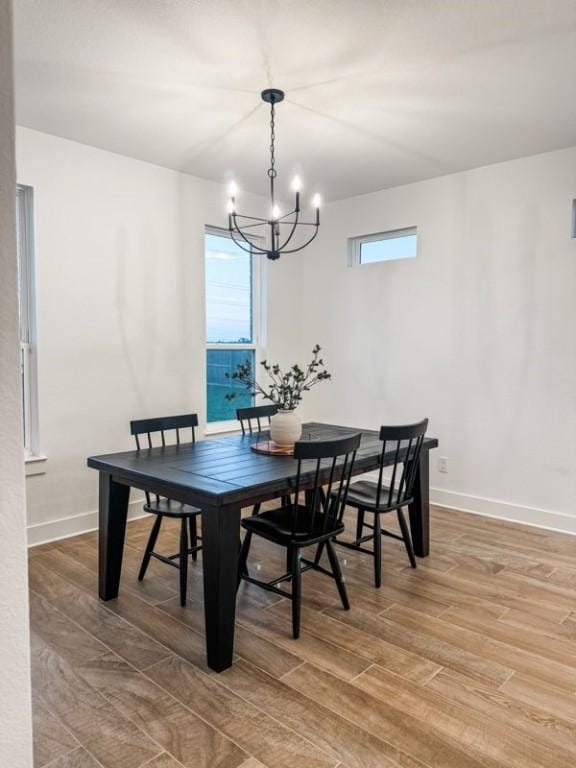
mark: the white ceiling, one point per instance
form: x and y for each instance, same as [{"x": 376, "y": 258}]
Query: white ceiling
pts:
[{"x": 379, "y": 92}]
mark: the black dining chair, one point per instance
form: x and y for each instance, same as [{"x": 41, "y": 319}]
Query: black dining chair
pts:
[
  {"x": 315, "y": 522},
  {"x": 254, "y": 420},
  {"x": 401, "y": 448},
  {"x": 163, "y": 507}
]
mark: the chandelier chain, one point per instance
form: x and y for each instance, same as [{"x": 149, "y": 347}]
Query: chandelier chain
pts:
[{"x": 272, "y": 170}]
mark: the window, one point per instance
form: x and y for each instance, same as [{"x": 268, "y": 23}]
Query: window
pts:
[
  {"x": 384, "y": 246},
  {"x": 232, "y": 321},
  {"x": 25, "y": 252}
]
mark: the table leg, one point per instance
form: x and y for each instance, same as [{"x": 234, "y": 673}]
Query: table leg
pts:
[
  {"x": 220, "y": 536},
  {"x": 113, "y": 510},
  {"x": 420, "y": 509}
]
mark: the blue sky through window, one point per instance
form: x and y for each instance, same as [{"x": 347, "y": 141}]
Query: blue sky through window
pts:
[
  {"x": 228, "y": 291},
  {"x": 387, "y": 249}
]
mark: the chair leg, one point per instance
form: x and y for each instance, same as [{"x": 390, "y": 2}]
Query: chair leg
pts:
[
  {"x": 337, "y": 571},
  {"x": 318, "y": 555},
  {"x": 377, "y": 551},
  {"x": 407, "y": 538},
  {"x": 183, "y": 561},
  {"x": 359, "y": 524},
  {"x": 256, "y": 509},
  {"x": 193, "y": 522},
  {"x": 288, "y": 559},
  {"x": 150, "y": 546},
  {"x": 296, "y": 592},
  {"x": 242, "y": 559}
]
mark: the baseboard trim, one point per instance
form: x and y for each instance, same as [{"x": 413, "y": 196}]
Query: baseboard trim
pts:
[
  {"x": 503, "y": 510},
  {"x": 66, "y": 527}
]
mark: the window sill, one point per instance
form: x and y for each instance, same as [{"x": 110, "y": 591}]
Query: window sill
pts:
[
  {"x": 222, "y": 428},
  {"x": 35, "y": 465}
]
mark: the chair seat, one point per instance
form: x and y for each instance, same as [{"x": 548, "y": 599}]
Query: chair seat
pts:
[
  {"x": 170, "y": 508},
  {"x": 276, "y": 525},
  {"x": 363, "y": 494}
]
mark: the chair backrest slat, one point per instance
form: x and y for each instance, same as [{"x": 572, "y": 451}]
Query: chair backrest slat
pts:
[
  {"x": 405, "y": 465},
  {"x": 394, "y": 470},
  {"x": 251, "y": 418},
  {"x": 333, "y": 460},
  {"x": 400, "y": 445},
  {"x": 328, "y": 491},
  {"x": 339, "y": 502},
  {"x": 414, "y": 465},
  {"x": 316, "y": 492}
]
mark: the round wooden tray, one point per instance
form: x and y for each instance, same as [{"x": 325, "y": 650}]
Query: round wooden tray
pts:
[{"x": 270, "y": 448}]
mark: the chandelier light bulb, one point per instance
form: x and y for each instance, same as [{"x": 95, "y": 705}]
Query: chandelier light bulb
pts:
[
  {"x": 275, "y": 212},
  {"x": 316, "y": 200},
  {"x": 232, "y": 189},
  {"x": 231, "y": 206},
  {"x": 297, "y": 184}
]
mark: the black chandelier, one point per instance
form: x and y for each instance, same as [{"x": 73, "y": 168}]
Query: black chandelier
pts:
[{"x": 281, "y": 228}]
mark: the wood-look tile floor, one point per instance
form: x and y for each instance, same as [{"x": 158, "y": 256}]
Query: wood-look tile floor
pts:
[{"x": 468, "y": 661}]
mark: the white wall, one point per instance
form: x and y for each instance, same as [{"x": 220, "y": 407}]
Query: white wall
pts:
[
  {"x": 15, "y": 709},
  {"x": 120, "y": 309},
  {"x": 478, "y": 332}
]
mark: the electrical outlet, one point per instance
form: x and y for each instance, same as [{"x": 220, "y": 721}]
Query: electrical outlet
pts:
[{"x": 443, "y": 464}]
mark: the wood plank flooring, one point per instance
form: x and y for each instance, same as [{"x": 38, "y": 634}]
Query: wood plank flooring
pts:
[{"x": 467, "y": 662}]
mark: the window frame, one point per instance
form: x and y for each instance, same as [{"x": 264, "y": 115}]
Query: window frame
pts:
[
  {"x": 258, "y": 344},
  {"x": 355, "y": 245},
  {"x": 27, "y": 325}
]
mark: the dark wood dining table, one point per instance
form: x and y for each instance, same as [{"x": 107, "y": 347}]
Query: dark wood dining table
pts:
[{"x": 221, "y": 476}]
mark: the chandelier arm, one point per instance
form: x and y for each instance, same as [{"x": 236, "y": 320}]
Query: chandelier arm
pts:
[
  {"x": 291, "y": 235},
  {"x": 258, "y": 224},
  {"x": 300, "y": 247},
  {"x": 300, "y": 223},
  {"x": 280, "y": 219},
  {"x": 253, "y": 247},
  {"x": 252, "y": 218}
]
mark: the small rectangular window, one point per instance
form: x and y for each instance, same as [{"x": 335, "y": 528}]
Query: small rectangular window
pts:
[
  {"x": 233, "y": 317},
  {"x": 384, "y": 246}
]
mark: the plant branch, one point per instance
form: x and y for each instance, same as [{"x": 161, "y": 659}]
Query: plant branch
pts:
[{"x": 286, "y": 387}]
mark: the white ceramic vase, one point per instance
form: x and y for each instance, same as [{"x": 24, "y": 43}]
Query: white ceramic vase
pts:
[{"x": 285, "y": 428}]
